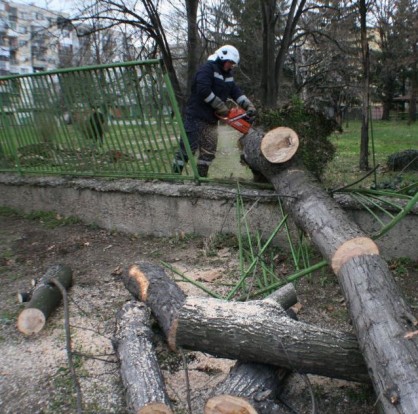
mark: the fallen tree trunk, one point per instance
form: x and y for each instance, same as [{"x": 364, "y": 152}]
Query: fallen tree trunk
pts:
[
  {"x": 245, "y": 329},
  {"x": 45, "y": 299},
  {"x": 380, "y": 315},
  {"x": 141, "y": 374}
]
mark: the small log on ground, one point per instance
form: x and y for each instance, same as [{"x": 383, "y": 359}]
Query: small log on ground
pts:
[
  {"x": 381, "y": 317},
  {"x": 150, "y": 284},
  {"x": 45, "y": 299},
  {"x": 245, "y": 329},
  {"x": 253, "y": 386},
  {"x": 285, "y": 296},
  {"x": 141, "y": 374}
]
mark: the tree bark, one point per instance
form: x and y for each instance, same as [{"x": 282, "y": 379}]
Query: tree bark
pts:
[
  {"x": 285, "y": 296},
  {"x": 254, "y": 387},
  {"x": 193, "y": 42},
  {"x": 45, "y": 299},
  {"x": 245, "y": 329},
  {"x": 380, "y": 315},
  {"x": 141, "y": 374},
  {"x": 364, "y": 140}
]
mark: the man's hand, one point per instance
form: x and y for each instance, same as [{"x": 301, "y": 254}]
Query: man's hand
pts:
[
  {"x": 246, "y": 104},
  {"x": 220, "y": 107},
  {"x": 223, "y": 112},
  {"x": 251, "y": 111}
]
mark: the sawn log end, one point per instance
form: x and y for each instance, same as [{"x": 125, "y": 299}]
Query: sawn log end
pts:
[
  {"x": 31, "y": 321},
  {"x": 141, "y": 281},
  {"x": 155, "y": 408},
  {"x": 359, "y": 246},
  {"x": 228, "y": 404},
  {"x": 279, "y": 145}
]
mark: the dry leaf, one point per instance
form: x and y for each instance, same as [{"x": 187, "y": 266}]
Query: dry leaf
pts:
[
  {"x": 224, "y": 252},
  {"x": 296, "y": 307},
  {"x": 410, "y": 335},
  {"x": 209, "y": 276}
]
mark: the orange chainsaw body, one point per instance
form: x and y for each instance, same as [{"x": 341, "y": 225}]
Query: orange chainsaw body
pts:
[{"x": 237, "y": 119}]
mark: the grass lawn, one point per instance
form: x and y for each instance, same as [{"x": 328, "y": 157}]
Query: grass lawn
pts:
[{"x": 387, "y": 137}]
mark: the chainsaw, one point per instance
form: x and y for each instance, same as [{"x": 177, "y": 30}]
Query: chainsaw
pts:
[{"x": 238, "y": 119}]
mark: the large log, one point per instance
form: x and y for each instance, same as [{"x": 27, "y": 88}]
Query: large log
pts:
[
  {"x": 245, "y": 329},
  {"x": 45, "y": 299},
  {"x": 380, "y": 315},
  {"x": 141, "y": 374}
]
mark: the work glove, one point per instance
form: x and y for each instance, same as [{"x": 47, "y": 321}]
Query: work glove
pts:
[
  {"x": 246, "y": 104},
  {"x": 251, "y": 111},
  {"x": 220, "y": 107}
]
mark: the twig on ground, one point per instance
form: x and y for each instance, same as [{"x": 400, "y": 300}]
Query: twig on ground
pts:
[
  {"x": 68, "y": 344},
  {"x": 186, "y": 374}
]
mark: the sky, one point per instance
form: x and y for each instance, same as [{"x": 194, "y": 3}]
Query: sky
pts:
[{"x": 67, "y": 6}]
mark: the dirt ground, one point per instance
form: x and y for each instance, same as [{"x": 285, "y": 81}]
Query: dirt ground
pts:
[{"x": 34, "y": 375}]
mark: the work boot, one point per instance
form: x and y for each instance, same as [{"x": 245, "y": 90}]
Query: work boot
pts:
[
  {"x": 202, "y": 169},
  {"x": 177, "y": 168}
]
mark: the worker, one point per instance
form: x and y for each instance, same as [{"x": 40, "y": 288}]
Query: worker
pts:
[{"x": 212, "y": 85}]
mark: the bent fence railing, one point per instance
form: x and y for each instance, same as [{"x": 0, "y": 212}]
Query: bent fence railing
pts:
[{"x": 119, "y": 120}]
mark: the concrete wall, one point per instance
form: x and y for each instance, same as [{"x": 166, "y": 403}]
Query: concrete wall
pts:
[{"x": 166, "y": 209}]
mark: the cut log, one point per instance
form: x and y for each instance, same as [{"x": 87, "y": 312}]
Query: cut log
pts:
[
  {"x": 248, "y": 327},
  {"x": 150, "y": 284},
  {"x": 257, "y": 385},
  {"x": 378, "y": 310},
  {"x": 245, "y": 329},
  {"x": 279, "y": 145},
  {"x": 285, "y": 296},
  {"x": 45, "y": 299},
  {"x": 141, "y": 374}
]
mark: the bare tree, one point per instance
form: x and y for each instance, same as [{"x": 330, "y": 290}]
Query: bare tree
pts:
[
  {"x": 272, "y": 70},
  {"x": 387, "y": 63},
  {"x": 365, "y": 54},
  {"x": 143, "y": 15},
  {"x": 406, "y": 19},
  {"x": 193, "y": 40}
]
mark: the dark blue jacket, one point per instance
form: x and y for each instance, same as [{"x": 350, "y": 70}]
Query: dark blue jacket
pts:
[{"x": 210, "y": 81}]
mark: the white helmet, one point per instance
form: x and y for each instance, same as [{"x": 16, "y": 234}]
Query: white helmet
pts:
[{"x": 226, "y": 53}]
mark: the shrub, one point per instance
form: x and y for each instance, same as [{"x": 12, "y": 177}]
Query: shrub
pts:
[
  {"x": 313, "y": 129},
  {"x": 403, "y": 161}
]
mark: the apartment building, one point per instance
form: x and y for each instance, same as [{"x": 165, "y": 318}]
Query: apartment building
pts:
[
  {"x": 33, "y": 39},
  {"x": 30, "y": 38}
]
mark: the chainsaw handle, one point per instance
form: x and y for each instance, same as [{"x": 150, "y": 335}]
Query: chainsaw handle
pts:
[{"x": 222, "y": 118}]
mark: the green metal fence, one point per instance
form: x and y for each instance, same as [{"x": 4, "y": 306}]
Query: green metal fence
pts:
[{"x": 118, "y": 120}]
